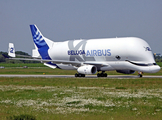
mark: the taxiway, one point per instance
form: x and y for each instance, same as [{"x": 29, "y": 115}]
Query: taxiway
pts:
[{"x": 87, "y": 76}]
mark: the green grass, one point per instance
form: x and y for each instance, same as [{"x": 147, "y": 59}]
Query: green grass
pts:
[
  {"x": 22, "y": 64},
  {"x": 37, "y": 71},
  {"x": 160, "y": 64},
  {"x": 81, "y": 98},
  {"x": 78, "y": 98},
  {"x": 49, "y": 71},
  {"x": 86, "y": 82}
]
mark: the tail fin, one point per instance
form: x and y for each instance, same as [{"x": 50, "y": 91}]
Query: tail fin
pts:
[
  {"x": 11, "y": 50},
  {"x": 42, "y": 43}
]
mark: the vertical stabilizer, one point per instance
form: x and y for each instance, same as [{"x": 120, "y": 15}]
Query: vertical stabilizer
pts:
[
  {"x": 11, "y": 50},
  {"x": 43, "y": 44}
]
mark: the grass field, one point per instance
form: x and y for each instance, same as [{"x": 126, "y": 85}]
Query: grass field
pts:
[{"x": 79, "y": 98}]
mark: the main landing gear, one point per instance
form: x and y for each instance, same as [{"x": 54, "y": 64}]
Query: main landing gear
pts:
[
  {"x": 79, "y": 75},
  {"x": 103, "y": 74}
]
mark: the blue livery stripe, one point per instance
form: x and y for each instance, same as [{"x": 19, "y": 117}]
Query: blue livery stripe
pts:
[{"x": 40, "y": 42}]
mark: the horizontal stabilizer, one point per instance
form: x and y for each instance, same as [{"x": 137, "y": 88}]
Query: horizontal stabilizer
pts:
[
  {"x": 35, "y": 53},
  {"x": 51, "y": 65}
]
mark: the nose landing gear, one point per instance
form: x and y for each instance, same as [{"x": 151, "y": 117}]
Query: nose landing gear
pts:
[{"x": 140, "y": 74}]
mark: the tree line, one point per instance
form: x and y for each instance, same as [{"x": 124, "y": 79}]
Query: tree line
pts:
[{"x": 158, "y": 58}]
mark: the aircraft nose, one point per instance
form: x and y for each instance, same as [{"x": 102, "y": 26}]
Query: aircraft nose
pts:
[{"x": 155, "y": 68}]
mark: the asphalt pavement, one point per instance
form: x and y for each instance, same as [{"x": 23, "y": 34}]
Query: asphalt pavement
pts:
[{"x": 87, "y": 76}]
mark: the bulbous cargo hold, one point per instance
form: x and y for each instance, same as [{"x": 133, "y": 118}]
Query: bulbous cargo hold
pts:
[
  {"x": 107, "y": 54},
  {"x": 108, "y": 49},
  {"x": 125, "y": 55}
]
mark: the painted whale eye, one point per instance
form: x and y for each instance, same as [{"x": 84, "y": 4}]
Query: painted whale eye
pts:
[{"x": 118, "y": 57}]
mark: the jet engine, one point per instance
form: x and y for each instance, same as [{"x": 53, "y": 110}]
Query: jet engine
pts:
[
  {"x": 126, "y": 71},
  {"x": 87, "y": 69}
]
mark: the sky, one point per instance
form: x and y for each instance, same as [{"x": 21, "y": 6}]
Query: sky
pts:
[{"x": 61, "y": 20}]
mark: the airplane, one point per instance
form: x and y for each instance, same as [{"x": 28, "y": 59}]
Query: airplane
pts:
[{"x": 89, "y": 56}]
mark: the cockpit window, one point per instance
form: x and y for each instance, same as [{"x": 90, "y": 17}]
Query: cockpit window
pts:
[{"x": 154, "y": 64}]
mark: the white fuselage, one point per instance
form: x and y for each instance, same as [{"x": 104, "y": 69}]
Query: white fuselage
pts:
[{"x": 106, "y": 54}]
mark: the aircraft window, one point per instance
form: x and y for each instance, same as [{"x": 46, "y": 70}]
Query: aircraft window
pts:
[{"x": 152, "y": 64}]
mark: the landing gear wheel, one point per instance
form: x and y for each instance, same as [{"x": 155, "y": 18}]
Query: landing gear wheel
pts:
[
  {"x": 79, "y": 75},
  {"x": 103, "y": 74},
  {"x": 140, "y": 75},
  {"x": 98, "y": 75},
  {"x": 76, "y": 75}
]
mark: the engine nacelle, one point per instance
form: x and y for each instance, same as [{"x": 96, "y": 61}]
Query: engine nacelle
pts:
[
  {"x": 126, "y": 71},
  {"x": 87, "y": 69}
]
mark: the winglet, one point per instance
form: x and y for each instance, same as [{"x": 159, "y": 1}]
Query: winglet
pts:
[{"x": 11, "y": 50}]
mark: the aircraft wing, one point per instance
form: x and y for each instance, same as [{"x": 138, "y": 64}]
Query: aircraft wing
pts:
[
  {"x": 44, "y": 60},
  {"x": 74, "y": 63}
]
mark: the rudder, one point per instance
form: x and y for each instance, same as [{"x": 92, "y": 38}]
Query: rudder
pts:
[{"x": 40, "y": 42}]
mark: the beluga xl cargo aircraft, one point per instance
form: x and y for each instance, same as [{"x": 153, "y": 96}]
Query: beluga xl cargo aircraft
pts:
[{"x": 125, "y": 55}]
